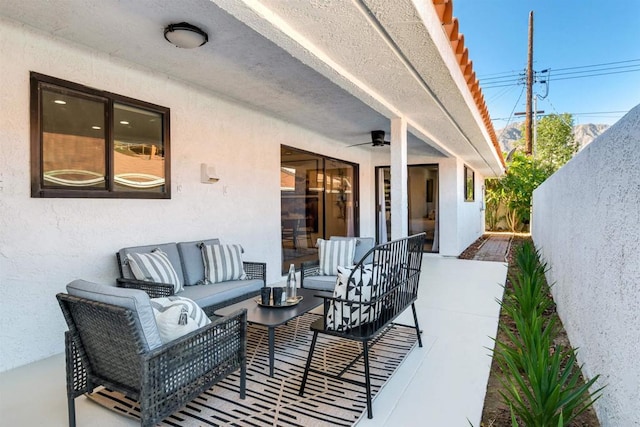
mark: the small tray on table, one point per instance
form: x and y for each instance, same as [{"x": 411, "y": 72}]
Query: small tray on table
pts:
[{"x": 283, "y": 305}]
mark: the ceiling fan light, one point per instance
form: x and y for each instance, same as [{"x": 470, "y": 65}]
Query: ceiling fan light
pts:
[{"x": 185, "y": 35}]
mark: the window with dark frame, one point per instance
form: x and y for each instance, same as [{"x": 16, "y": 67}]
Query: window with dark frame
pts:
[
  {"x": 88, "y": 143},
  {"x": 469, "y": 185}
]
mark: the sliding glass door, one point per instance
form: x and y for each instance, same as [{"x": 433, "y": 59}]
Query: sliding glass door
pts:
[
  {"x": 318, "y": 199},
  {"x": 423, "y": 203}
]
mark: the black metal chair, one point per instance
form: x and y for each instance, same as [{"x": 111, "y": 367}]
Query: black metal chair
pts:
[
  {"x": 105, "y": 346},
  {"x": 394, "y": 280}
]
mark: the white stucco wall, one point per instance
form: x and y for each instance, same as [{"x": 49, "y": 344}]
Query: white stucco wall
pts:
[
  {"x": 45, "y": 243},
  {"x": 462, "y": 221},
  {"x": 586, "y": 223}
]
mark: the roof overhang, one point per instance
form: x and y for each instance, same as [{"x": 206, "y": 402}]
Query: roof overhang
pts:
[{"x": 342, "y": 68}]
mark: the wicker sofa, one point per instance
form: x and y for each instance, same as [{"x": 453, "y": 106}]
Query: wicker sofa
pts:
[
  {"x": 113, "y": 341},
  {"x": 310, "y": 276},
  {"x": 186, "y": 259}
]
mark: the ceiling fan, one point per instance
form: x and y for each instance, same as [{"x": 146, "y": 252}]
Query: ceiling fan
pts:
[{"x": 377, "y": 139}]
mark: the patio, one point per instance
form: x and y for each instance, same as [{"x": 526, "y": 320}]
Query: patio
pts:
[{"x": 446, "y": 378}]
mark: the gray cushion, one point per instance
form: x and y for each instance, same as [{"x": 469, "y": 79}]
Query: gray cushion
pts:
[
  {"x": 133, "y": 299},
  {"x": 207, "y": 295},
  {"x": 171, "y": 249},
  {"x": 363, "y": 245},
  {"x": 191, "y": 259},
  {"x": 320, "y": 283}
]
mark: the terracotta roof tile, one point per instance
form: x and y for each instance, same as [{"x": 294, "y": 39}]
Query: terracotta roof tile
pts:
[{"x": 444, "y": 9}]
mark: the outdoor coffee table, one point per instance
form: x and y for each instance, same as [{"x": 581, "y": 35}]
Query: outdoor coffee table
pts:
[{"x": 272, "y": 317}]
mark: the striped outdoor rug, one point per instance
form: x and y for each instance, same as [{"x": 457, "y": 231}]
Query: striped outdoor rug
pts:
[{"x": 275, "y": 401}]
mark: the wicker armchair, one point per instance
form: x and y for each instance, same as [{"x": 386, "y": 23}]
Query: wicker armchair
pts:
[{"x": 105, "y": 346}]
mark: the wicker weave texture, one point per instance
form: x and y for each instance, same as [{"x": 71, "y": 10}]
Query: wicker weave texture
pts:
[
  {"x": 309, "y": 269},
  {"x": 104, "y": 347}
]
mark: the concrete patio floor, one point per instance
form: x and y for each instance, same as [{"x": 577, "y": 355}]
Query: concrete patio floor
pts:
[{"x": 441, "y": 384}]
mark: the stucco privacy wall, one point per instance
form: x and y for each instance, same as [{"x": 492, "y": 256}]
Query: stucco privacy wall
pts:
[
  {"x": 45, "y": 243},
  {"x": 586, "y": 224}
]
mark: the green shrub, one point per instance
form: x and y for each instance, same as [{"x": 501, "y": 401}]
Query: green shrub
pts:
[{"x": 541, "y": 381}]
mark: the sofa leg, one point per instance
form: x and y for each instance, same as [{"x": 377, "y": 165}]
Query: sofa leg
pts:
[{"x": 243, "y": 379}]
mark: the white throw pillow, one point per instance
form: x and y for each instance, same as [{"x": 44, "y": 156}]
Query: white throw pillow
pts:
[
  {"x": 177, "y": 316},
  {"x": 334, "y": 253},
  {"x": 222, "y": 263},
  {"x": 360, "y": 289},
  {"x": 154, "y": 267}
]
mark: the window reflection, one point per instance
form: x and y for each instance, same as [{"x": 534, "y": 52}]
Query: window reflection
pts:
[
  {"x": 73, "y": 141},
  {"x": 87, "y": 142},
  {"x": 138, "y": 156},
  {"x": 317, "y": 201}
]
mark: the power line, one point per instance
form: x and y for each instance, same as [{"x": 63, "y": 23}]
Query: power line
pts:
[
  {"x": 636, "y": 66},
  {"x": 597, "y": 65},
  {"x": 508, "y": 76},
  {"x": 512, "y": 111},
  {"x": 501, "y": 93},
  {"x": 511, "y": 78},
  {"x": 593, "y": 113},
  {"x": 503, "y": 72},
  {"x": 593, "y": 75}
]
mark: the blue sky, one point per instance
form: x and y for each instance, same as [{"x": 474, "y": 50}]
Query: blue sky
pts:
[{"x": 567, "y": 34}]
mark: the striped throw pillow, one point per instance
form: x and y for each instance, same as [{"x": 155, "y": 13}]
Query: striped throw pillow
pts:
[
  {"x": 154, "y": 267},
  {"x": 222, "y": 263},
  {"x": 333, "y": 253}
]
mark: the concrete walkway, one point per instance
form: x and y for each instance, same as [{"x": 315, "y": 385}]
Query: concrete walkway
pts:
[{"x": 494, "y": 248}]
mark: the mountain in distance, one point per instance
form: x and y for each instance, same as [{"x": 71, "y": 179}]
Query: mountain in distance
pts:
[{"x": 583, "y": 134}]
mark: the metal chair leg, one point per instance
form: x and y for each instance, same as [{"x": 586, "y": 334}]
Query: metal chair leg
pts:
[
  {"x": 308, "y": 365},
  {"x": 415, "y": 319},
  {"x": 367, "y": 380}
]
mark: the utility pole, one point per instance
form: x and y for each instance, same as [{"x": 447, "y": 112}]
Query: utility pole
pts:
[{"x": 529, "y": 111}]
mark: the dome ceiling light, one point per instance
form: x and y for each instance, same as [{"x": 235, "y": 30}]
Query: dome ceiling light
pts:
[{"x": 185, "y": 35}]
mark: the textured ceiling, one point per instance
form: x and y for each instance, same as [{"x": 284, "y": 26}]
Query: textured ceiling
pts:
[{"x": 338, "y": 67}]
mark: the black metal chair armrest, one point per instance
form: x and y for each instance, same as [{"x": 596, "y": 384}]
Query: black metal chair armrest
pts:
[
  {"x": 256, "y": 270},
  {"x": 308, "y": 269},
  {"x": 155, "y": 290}
]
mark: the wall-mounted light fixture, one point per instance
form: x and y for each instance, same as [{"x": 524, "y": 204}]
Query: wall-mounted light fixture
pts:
[
  {"x": 185, "y": 35},
  {"x": 208, "y": 174}
]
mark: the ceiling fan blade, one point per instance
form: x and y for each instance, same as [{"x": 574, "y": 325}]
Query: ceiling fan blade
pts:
[{"x": 355, "y": 145}]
